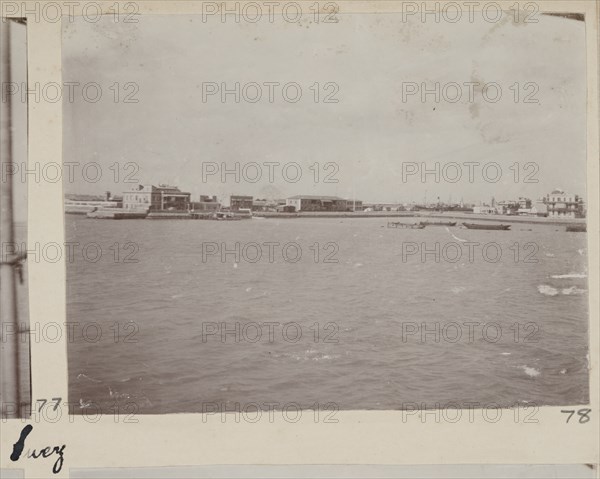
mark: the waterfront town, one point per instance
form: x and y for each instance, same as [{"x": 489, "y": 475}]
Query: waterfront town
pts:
[{"x": 164, "y": 201}]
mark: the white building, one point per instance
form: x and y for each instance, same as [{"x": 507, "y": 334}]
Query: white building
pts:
[
  {"x": 317, "y": 203},
  {"x": 564, "y": 205},
  {"x": 156, "y": 198},
  {"x": 485, "y": 210}
]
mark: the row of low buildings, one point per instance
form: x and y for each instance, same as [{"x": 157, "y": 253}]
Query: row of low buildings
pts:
[
  {"x": 170, "y": 198},
  {"x": 296, "y": 203},
  {"x": 144, "y": 198},
  {"x": 557, "y": 204}
]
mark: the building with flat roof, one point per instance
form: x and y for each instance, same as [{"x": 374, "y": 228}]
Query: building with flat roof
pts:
[
  {"x": 317, "y": 203},
  {"x": 524, "y": 203},
  {"x": 538, "y": 209},
  {"x": 207, "y": 204},
  {"x": 507, "y": 207},
  {"x": 156, "y": 198},
  {"x": 266, "y": 204},
  {"x": 261, "y": 205},
  {"x": 237, "y": 202},
  {"x": 354, "y": 205},
  {"x": 513, "y": 207},
  {"x": 485, "y": 210},
  {"x": 379, "y": 206}
]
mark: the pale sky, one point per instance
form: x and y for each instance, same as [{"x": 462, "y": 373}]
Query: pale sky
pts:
[{"x": 369, "y": 133}]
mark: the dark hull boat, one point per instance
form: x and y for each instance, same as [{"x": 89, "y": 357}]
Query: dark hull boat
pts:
[
  {"x": 438, "y": 223},
  {"x": 416, "y": 226},
  {"x": 475, "y": 226},
  {"x": 577, "y": 228}
]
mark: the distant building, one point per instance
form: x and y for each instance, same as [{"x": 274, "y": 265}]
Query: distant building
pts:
[
  {"x": 524, "y": 203},
  {"x": 507, "y": 207},
  {"x": 286, "y": 209},
  {"x": 354, "y": 205},
  {"x": 156, "y": 198},
  {"x": 237, "y": 202},
  {"x": 538, "y": 209},
  {"x": 391, "y": 207},
  {"x": 263, "y": 205},
  {"x": 485, "y": 210},
  {"x": 82, "y": 204},
  {"x": 368, "y": 207},
  {"x": 512, "y": 207},
  {"x": 85, "y": 206},
  {"x": 317, "y": 203},
  {"x": 564, "y": 205},
  {"x": 207, "y": 204}
]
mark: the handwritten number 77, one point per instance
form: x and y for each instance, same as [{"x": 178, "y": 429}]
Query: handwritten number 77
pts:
[{"x": 56, "y": 401}]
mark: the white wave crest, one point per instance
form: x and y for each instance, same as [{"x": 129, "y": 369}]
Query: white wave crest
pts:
[
  {"x": 547, "y": 290},
  {"x": 573, "y": 290},
  {"x": 531, "y": 372},
  {"x": 569, "y": 275},
  {"x": 83, "y": 376}
]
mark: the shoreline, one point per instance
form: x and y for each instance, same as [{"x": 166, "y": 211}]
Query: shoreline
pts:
[
  {"x": 445, "y": 216},
  {"x": 459, "y": 217}
]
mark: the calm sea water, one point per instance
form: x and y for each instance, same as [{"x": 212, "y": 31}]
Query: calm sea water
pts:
[{"x": 379, "y": 329}]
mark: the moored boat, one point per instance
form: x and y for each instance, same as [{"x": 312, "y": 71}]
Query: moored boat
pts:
[
  {"x": 225, "y": 216},
  {"x": 476, "y": 226},
  {"x": 577, "y": 228},
  {"x": 438, "y": 223},
  {"x": 412, "y": 226}
]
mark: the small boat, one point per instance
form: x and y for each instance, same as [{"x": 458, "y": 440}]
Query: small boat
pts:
[
  {"x": 577, "y": 228},
  {"x": 438, "y": 223},
  {"x": 225, "y": 216},
  {"x": 413, "y": 226},
  {"x": 475, "y": 226}
]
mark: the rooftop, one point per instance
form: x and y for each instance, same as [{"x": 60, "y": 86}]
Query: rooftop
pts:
[
  {"x": 312, "y": 197},
  {"x": 161, "y": 187}
]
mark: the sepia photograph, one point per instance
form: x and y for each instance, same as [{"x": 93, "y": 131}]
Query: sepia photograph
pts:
[
  {"x": 299, "y": 239},
  {"x": 325, "y": 212},
  {"x": 15, "y": 388}
]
